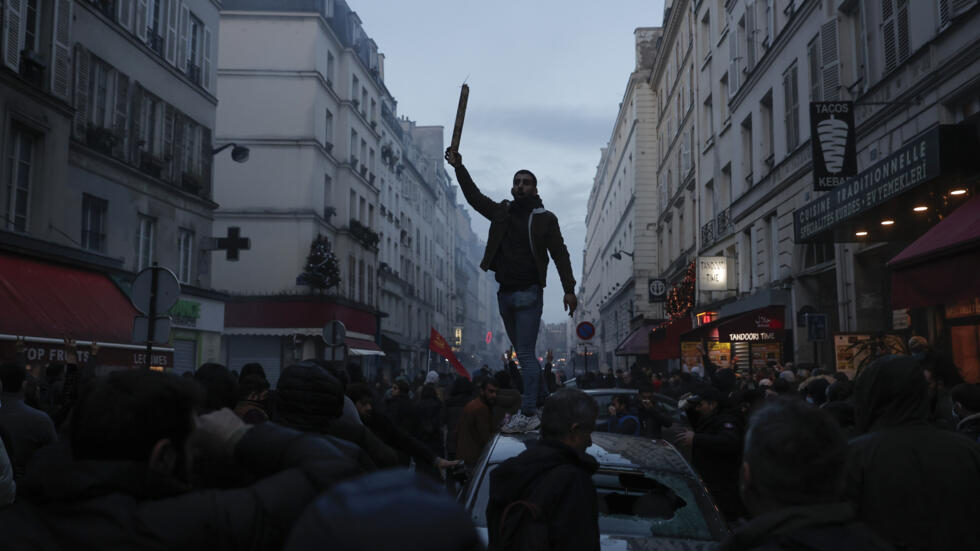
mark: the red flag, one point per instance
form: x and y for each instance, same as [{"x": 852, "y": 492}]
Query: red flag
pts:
[{"x": 439, "y": 345}]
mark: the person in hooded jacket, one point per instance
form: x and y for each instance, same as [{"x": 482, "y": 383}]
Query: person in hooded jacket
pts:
[
  {"x": 312, "y": 400},
  {"x": 917, "y": 486},
  {"x": 544, "y": 498},
  {"x": 790, "y": 482}
]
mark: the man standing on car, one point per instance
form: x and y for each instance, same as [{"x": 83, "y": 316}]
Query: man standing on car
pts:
[
  {"x": 522, "y": 234},
  {"x": 544, "y": 498}
]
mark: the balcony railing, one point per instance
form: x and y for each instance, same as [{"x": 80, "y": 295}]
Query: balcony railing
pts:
[
  {"x": 368, "y": 237},
  {"x": 708, "y": 233},
  {"x": 723, "y": 223}
]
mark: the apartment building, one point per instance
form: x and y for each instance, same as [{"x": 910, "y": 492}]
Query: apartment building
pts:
[{"x": 621, "y": 254}]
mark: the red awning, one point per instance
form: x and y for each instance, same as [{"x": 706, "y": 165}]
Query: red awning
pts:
[
  {"x": 361, "y": 347},
  {"x": 291, "y": 312},
  {"x": 665, "y": 340},
  {"x": 941, "y": 266},
  {"x": 637, "y": 343},
  {"x": 46, "y": 300}
]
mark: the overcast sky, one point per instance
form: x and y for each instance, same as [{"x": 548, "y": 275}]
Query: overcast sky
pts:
[{"x": 546, "y": 78}]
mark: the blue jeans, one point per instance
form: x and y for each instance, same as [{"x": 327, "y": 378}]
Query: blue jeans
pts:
[{"x": 521, "y": 314}]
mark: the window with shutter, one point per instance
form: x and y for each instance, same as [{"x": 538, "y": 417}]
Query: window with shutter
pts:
[
  {"x": 888, "y": 34},
  {"x": 121, "y": 115},
  {"x": 791, "y": 99},
  {"x": 13, "y": 39},
  {"x": 902, "y": 16},
  {"x": 82, "y": 62},
  {"x": 733, "y": 61},
  {"x": 169, "y": 115},
  {"x": 140, "y": 28},
  {"x": 206, "y": 61},
  {"x": 206, "y": 158},
  {"x": 813, "y": 64},
  {"x": 178, "y": 147},
  {"x": 830, "y": 73},
  {"x": 750, "y": 32},
  {"x": 124, "y": 13},
  {"x": 60, "y": 48},
  {"x": 945, "y": 15},
  {"x": 182, "y": 38},
  {"x": 171, "y": 46},
  {"x": 135, "y": 122}
]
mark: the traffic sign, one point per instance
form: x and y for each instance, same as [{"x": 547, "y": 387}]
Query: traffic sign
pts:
[
  {"x": 167, "y": 290},
  {"x": 161, "y": 330},
  {"x": 585, "y": 330},
  {"x": 334, "y": 333}
]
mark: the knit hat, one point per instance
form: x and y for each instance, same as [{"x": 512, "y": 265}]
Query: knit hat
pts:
[{"x": 431, "y": 378}]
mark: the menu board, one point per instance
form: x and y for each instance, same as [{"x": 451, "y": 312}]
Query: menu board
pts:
[
  {"x": 720, "y": 353},
  {"x": 851, "y": 350}
]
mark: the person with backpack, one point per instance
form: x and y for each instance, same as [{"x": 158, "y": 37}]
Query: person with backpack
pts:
[
  {"x": 545, "y": 498},
  {"x": 621, "y": 420}
]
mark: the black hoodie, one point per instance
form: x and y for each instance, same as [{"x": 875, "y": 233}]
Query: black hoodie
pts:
[
  {"x": 915, "y": 485},
  {"x": 559, "y": 481}
]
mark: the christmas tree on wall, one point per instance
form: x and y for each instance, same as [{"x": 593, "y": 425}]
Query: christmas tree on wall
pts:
[
  {"x": 680, "y": 298},
  {"x": 322, "y": 270}
]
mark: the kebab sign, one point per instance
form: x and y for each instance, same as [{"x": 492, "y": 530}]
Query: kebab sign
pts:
[{"x": 833, "y": 142}]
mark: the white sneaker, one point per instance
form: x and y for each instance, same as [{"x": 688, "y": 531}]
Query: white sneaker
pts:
[{"x": 521, "y": 423}]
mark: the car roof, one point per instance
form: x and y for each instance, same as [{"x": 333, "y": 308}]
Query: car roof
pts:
[{"x": 612, "y": 451}]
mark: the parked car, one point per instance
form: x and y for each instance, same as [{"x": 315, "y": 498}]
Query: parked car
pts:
[{"x": 649, "y": 496}]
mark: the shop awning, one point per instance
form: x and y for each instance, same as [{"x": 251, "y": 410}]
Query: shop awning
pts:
[
  {"x": 44, "y": 303},
  {"x": 764, "y": 324},
  {"x": 665, "y": 339},
  {"x": 361, "y": 347},
  {"x": 47, "y": 300},
  {"x": 941, "y": 266},
  {"x": 637, "y": 343}
]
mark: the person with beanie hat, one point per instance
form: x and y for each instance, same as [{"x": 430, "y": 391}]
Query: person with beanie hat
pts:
[{"x": 432, "y": 378}]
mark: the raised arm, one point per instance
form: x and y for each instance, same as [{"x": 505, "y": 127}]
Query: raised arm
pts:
[{"x": 480, "y": 202}]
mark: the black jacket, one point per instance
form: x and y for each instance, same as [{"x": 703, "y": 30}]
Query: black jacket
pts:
[
  {"x": 559, "y": 481},
  {"x": 915, "y": 485},
  {"x": 821, "y": 527},
  {"x": 716, "y": 454},
  {"x": 545, "y": 234},
  {"x": 123, "y": 505}
]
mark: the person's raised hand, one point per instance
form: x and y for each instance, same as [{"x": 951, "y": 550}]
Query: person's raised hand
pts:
[{"x": 453, "y": 157}]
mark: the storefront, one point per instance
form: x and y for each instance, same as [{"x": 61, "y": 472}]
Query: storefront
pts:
[
  {"x": 196, "y": 324},
  {"x": 44, "y": 303},
  {"x": 745, "y": 341},
  {"x": 277, "y": 331},
  {"x": 910, "y": 220}
]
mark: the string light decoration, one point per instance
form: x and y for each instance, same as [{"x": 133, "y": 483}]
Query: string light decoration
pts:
[
  {"x": 322, "y": 270},
  {"x": 680, "y": 298}
]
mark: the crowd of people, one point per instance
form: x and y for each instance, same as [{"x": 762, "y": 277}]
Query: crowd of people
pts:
[{"x": 794, "y": 456}]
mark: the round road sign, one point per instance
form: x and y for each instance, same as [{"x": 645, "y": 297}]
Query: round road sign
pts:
[{"x": 585, "y": 330}]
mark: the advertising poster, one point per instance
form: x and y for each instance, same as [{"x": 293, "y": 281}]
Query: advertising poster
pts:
[
  {"x": 720, "y": 353},
  {"x": 853, "y": 350},
  {"x": 764, "y": 353},
  {"x": 690, "y": 356}
]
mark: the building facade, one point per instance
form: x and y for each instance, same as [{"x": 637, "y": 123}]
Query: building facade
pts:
[{"x": 621, "y": 255}]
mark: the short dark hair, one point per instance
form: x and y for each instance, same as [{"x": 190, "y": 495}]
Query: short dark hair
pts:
[
  {"x": 795, "y": 453},
  {"x": 253, "y": 368},
  {"x": 564, "y": 408},
  {"x": 220, "y": 386},
  {"x": 358, "y": 391},
  {"x": 123, "y": 415},
  {"x": 12, "y": 376},
  {"x": 529, "y": 173}
]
